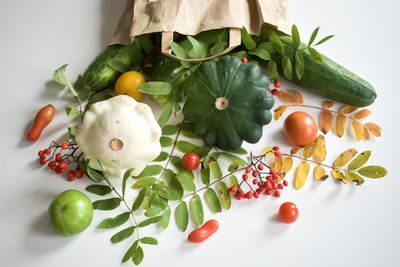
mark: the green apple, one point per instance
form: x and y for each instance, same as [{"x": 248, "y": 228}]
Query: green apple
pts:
[{"x": 70, "y": 213}]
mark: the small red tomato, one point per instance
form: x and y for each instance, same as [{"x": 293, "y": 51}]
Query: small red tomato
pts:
[
  {"x": 191, "y": 161},
  {"x": 300, "y": 129},
  {"x": 204, "y": 232},
  {"x": 288, "y": 212}
]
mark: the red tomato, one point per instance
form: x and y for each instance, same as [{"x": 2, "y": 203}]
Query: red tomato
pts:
[
  {"x": 300, "y": 129},
  {"x": 288, "y": 212},
  {"x": 204, "y": 232},
  {"x": 191, "y": 161}
]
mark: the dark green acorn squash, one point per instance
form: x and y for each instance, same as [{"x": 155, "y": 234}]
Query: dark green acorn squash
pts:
[{"x": 228, "y": 102}]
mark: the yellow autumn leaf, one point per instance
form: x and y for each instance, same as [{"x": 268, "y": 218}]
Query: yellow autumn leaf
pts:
[
  {"x": 287, "y": 164},
  {"x": 276, "y": 165},
  {"x": 320, "y": 149},
  {"x": 362, "y": 114},
  {"x": 346, "y": 109},
  {"x": 298, "y": 98},
  {"x": 339, "y": 175},
  {"x": 373, "y": 128},
  {"x": 365, "y": 133},
  {"x": 358, "y": 130},
  {"x": 319, "y": 173},
  {"x": 279, "y": 112},
  {"x": 340, "y": 124},
  {"x": 325, "y": 121},
  {"x": 308, "y": 151},
  {"x": 266, "y": 149},
  {"x": 294, "y": 150},
  {"x": 301, "y": 174},
  {"x": 327, "y": 104},
  {"x": 345, "y": 157}
]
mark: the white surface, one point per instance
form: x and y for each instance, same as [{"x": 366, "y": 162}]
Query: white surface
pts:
[{"x": 338, "y": 225}]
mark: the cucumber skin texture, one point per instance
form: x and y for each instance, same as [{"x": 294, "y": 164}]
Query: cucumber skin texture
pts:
[
  {"x": 99, "y": 74},
  {"x": 332, "y": 80}
]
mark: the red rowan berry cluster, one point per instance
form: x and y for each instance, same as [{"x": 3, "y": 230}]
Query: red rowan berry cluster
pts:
[
  {"x": 275, "y": 89},
  {"x": 59, "y": 157},
  {"x": 259, "y": 178}
]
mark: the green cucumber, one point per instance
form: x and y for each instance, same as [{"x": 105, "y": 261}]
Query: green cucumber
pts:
[{"x": 331, "y": 80}]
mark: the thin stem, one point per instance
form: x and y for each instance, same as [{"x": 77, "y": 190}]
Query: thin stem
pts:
[
  {"x": 315, "y": 107},
  {"x": 170, "y": 154},
  {"x": 315, "y": 162}
]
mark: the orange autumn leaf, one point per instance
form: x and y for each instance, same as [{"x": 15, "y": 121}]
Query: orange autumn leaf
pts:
[
  {"x": 294, "y": 150},
  {"x": 362, "y": 114},
  {"x": 325, "y": 121},
  {"x": 358, "y": 130},
  {"x": 298, "y": 98},
  {"x": 373, "y": 128},
  {"x": 320, "y": 149},
  {"x": 340, "y": 124},
  {"x": 346, "y": 109},
  {"x": 276, "y": 165},
  {"x": 285, "y": 97},
  {"x": 365, "y": 133},
  {"x": 279, "y": 112},
  {"x": 328, "y": 104}
]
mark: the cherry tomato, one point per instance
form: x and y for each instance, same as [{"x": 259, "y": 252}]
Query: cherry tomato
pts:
[
  {"x": 288, "y": 212},
  {"x": 204, "y": 232},
  {"x": 191, "y": 161},
  {"x": 44, "y": 116},
  {"x": 300, "y": 129}
]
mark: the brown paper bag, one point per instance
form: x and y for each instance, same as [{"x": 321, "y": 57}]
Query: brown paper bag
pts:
[{"x": 189, "y": 17}]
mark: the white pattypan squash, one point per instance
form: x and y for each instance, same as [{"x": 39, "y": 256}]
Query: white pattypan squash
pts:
[{"x": 121, "y": 133}]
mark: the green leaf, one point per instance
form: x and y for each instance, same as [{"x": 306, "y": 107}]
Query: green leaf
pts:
[
  {"x": 182, "y": 216},
  {"x": 268, "y": 47},
  {"x": 196, "y": 210},
  {"x": 165, "y": 115},
  {"x": 185, "y": 146},
  {"x": 100, "y": 190},
  {"x": 272, "y": 70},
  {"x": 178, "y": 50},
  {"x": 373, "y": 171},
  {"x": 123, "y": 234},
  {"x": 191, "y": 135},
  {"x": 101, "y": 96},
  {"x": 215, "y": 170},
  {"x": 72, "y": 112},
  {"x": 224, "y": 195},
  {"x": 146, "y": 204},
  {"x": 247, "y": 40},
  {"x": 146, "y": 44},
  {"x": 137, "y": 256},
  {"x": 232, "y": 157},
  {"x": 60, "y": 78},
  {"x": 276, "y": 42},
  {"x": 176, "y": 187},
  {"x": 107, "y": 204},
  {"x": 130, "y": 251},
  {"x": 313, "y": 36},
  {"x": 203, "y": 151},
  {"x": 93, "y": 174},
  {"x": 261, "y": 53},
  {"x": 198, "y": 50},
  {"x": 114, "y": 222},
  {"x": 233, "y": 166},
  {"x": 359, "y": 161},
  {"x": 164, "y": 222},
  {"x": 186, "y": 180},
  {"x": 169, "y": 129},
  {"x": 139, "y": 199},
  {"x": 163, "y": 156},
  {"x": 315, "y": 55},
  {"x": 117, "y": 65},
  {"x": 205, "y": 175},
  {"x": 241, "y": 151},
  {"x": 72, "y": 132},
  {"x": 218, "y": 48},
  {"x": 212, "y": 200},
  {"x": 299, "y": 64},
  {"x": 287, "y": 67},
  {"x": 159, "y": 202},
  {"x": 149, "y": 221},
  {"x": 240, "y": 54},
  {"x": 155, "y": 88},
  {"x": 166, "y": 141},
  {"x": 177, "y": 162},
  {"x": 145, "y": 181},
  {"x": 323, "y": 40},
  {"x": 173, "y": 193},
  {"x": 151, "y": 170},
  {"x": 127, "y": 174},
  {"x": 153, "y": 211},
  {"x": 295, "y": 37},
  {"x": 354, "y": 177},
  {"x": 149, "y": 241},
  {"x": 233, "y": 181},
  {"x": 168, "y": 175}
]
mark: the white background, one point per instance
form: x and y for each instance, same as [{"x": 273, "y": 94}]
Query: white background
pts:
[{"x": 338, "y": 225}]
